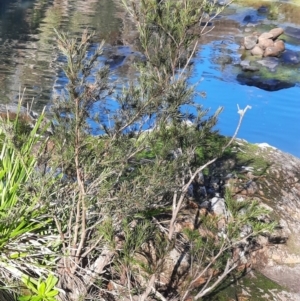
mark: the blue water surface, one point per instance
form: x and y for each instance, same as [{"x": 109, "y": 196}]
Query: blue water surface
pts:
[{"x": 274, "y": 117}]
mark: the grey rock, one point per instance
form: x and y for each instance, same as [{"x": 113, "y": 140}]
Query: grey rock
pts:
[
  {"x": 202, "y": 191},
  {"x": 245, "y": 230},
  {"x": 265, "y": 84},
  {"x": 115, "y": 61},
  {"x": 251, "y": 187},
  {"x": 218, "y": 206},
  {"x": 245, "y": 63},
  {"x": 250, "y": 68},
  {"x": 269, "y": 62},
  {"x": 293, "y": 32},
  {"x": 206, "y": 205},
  {"x": 190, "y": 191},
  {"x": 200, "y": 177}
]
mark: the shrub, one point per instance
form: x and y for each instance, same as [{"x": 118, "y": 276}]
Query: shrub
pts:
[{"x": 117, "y": 198}]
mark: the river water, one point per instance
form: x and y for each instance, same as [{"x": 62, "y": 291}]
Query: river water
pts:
[{"x": 28, "y": 59}]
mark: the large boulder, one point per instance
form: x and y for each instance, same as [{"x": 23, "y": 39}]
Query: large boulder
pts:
[{"x": 271, "y": 177}]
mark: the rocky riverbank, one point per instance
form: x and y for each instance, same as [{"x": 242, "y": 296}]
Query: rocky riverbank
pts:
[{"x": 272, "y": 177}]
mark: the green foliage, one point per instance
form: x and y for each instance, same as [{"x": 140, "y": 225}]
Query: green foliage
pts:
[
  {"x": 116, "y": 198},
  {"x": 23, "y": 218},
  {"x": 41, "y": 290},
  {"x": 247, "y": 213},
  {"x": 135, "y": 234}
]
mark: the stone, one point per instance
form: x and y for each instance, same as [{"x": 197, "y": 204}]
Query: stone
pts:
[
  {"x": 279, "y": 44},
  {"x": 271, "y": 51},
  {"x": 245, "y": 230},
  {"x": 12, "y": 111},
  {"x": 218, "y": 206},
  {"x": 247, "y": 67},
  {"x": 245, "y": 63},
  {"x": 264, "y": 43},
  {"x": 265, "y": 84},
  {"x": 265, "y": 35},
  {"x": 251, "y": 187},
  {"x": 275, "y": 50},
  {"x": 290, "y": 57},
  {"x": 293, "y": 32},
  {"x": 27, "y": 116},
  {"x": 269, "y": 62},
  {"x": 250, "y": 68},
  {"x": 115, "y": 61},
  {"x": 262, "y": 10},
  {"x": 276, "y": 32},
  {"x": 257, "y": 51},
  {"x": 250, "y": 42}
]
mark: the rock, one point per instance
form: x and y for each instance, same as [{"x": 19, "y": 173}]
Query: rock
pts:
[
  {"x": 269, "y": 62},
  {"x": 285, "y": 275},
  {"x": 276, "y": 32},
  {"x": 245, "y": 63},
  {"x": 265, "y": 84},
  {"x": 224, "y": 60},
  {"x": 275, "y": 50},
  {"x": 245, "y": 230},
  {"x": 265, "y": 35},
  {"x": 12, "y": 111},
  {"x": 262, "y": 10},
  {"x": 250, "y": 42},
  {"x": 293, "y": 32},
  {"x": 247, "y": 67},
  {"x": 251, "y": 187},
  {"x": 115, "y": 60},
  {"x": 250, "y": 68},
  {"x": 290, "y": 57},
  {"x": 218, "y": 206},
  {"x": 264, "y": 43},
  {"x": 257, "y": 51},
  {"x": 279, "y": 44},
  {"x": 271, "y": 51}
]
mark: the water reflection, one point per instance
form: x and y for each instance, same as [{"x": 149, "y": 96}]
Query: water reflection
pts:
[
  {"x": 28, "y": 46},
  {"x": 29, "y": 58}
]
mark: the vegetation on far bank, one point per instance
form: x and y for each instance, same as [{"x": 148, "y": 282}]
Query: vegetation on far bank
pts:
[{"x": 111, "y": 217}]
